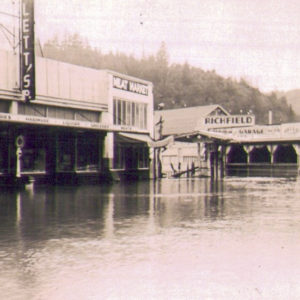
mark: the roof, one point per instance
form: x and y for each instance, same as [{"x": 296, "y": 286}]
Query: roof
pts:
[
  {"x": 129, "y": 77},
  {"x": 183, "y": 120}
]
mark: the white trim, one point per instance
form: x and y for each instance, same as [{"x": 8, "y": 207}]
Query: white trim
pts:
[{"x": 26, "y": 119}]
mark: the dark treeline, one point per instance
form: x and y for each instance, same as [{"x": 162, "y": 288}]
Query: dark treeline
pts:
[{"x": 175, "y": 85}]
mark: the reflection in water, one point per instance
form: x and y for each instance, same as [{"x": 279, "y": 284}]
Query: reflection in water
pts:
[
  {"x": 168, "y": 239},
  {"x": 109, "y": 218}
]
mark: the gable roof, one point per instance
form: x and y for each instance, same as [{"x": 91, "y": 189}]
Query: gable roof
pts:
[{"x": 183, "y": 120}]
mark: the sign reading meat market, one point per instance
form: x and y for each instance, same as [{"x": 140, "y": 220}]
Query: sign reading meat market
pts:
[
  {"x": 27, "y": 50},
  {"x": 130, "y": 86}
]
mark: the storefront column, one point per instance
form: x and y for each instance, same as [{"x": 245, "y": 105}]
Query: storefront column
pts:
[
  {"x": 75, "y": 152},
  {"x": 272, "y": 149},
  {"x": 216, "y": 166},
  {"x": 209, "y": 165},
  {"x": 297, "y": 150},
  {"x": 108, "y": 151},
  {"x": 222, "y": 161},
  {"x": 13, "y": 108},
  {"x": 201, "y": 153},
  {"x": 248, "y": 149},
  {"x": 152, "y": 164},
  {"x": 227, "y": 150},
  {"x": 214, "y": 157}
]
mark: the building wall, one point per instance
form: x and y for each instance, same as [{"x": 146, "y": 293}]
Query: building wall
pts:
[
  {"x": 8, "y": 70},
  {"x": 121, "y": 93},
  {"x": 67, "y": 81},
  {"x": 181, "y": 156},
  {"x": 70, "y": 100}
]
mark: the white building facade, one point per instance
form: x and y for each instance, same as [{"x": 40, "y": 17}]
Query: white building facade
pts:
[{"x": 75, "y": 127}]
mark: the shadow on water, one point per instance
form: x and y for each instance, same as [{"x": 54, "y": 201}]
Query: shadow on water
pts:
[{"x": 61, "y": 212}]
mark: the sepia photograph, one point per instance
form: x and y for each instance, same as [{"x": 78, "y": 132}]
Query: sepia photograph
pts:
[{"x": 149, "y": 149}]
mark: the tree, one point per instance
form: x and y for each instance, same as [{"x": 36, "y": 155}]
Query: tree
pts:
[{"x": 176, "y": 85}]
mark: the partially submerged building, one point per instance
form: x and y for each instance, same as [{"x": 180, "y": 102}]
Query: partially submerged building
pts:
[
  {"x": 190, "y": 148},
  {"x": 211, "y": 139},
  {"x": 84, "y": 124}
]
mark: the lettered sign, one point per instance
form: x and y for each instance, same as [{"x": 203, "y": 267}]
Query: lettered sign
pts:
[{"x": 27, "y": 50}]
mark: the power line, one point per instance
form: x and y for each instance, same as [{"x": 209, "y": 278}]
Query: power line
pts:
[{"x": 8, "y": 14}]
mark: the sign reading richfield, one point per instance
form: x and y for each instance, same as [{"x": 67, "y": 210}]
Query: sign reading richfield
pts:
[
  {"x": 228, "y": 121},
  {"x": 130, "y": 86},
  {"x": 27, "y": 51}
]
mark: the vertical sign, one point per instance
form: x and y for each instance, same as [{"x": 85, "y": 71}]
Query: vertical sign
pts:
[{"x": 27, "y": 50}]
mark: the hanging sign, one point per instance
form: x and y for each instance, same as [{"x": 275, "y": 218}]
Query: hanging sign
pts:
[{"x": 27, "y": 50}]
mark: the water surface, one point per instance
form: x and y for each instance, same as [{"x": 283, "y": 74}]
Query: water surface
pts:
[{"x": 172, "y": 239}]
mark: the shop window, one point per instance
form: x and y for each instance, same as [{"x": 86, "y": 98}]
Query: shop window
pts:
[
  {"x": 115, "y": 111},
  {"x": 89, "y": 116},
  {"x": 119, "y": 154},
  {"x": 3, "y": 155},
  {"x": 137, "y": 116},
  {"x": 145, "y": 116},
  {"x": 55, "y": 112},
  {"x": 119, "y": 112},
  {"x": 4, "y": 106},
  {"x": 131, "y": 157},
  {"x": 87, "y": 153},
  {"x": 33, "y": 160},
  {"x": 61, "y": 113},
  {"x": 130, "y": 113},
  {"x": 123, "y": 118},
  {"x": 143, "y": 154},
  {"x": 66, "y": 151},
  {"x": 33, "y": 157},
  {"x": 32, "y": 110}
]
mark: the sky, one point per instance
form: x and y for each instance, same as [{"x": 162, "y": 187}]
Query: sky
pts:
[{"x": 258, "y": 40}]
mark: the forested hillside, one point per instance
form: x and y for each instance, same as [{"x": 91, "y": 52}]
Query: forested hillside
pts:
[
  {"x": 176, "y": 85},
  {"x": 292, "y": 98}
]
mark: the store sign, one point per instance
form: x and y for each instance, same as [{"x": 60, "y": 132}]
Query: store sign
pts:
[
  {"x": 24, "y": 119},
  {"x": 27, "y": 64},
  {"x": 288, "y": 130},
  {"x": 130, "y": 86},
  {"x": 228, "y": 121}
]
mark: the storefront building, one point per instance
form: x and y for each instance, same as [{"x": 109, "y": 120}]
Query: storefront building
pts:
[
  {"x": 191, "y": 150},
  {"x": 75, "y": 128},
  {"x": 217, "y": 144}
]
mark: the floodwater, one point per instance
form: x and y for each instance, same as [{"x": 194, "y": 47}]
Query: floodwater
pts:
[{"x": 173, "y": 239}]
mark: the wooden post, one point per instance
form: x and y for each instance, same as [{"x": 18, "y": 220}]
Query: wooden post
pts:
[
  {"x": 216, "y": 161},
  {"x": 211, "y": 159},
  {"x": 222, "y": 161},
  {"x": 199, "y": 155}
]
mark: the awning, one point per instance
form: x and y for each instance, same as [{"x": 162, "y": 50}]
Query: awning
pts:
[
  {"x": 162, "y": 143},
  {"x": 136, "y": 137},
  {"x": 147, "y": 139},
  {"x": 200, "y": 134}
]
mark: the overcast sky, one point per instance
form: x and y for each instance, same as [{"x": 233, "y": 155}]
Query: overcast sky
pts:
[{"x": 258, "y": 40}]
